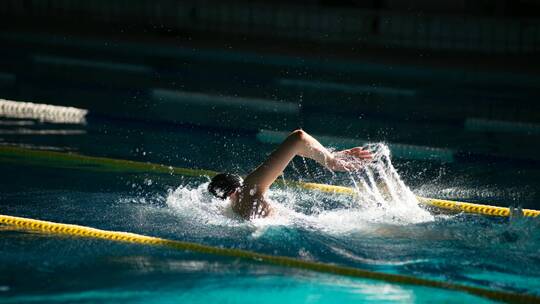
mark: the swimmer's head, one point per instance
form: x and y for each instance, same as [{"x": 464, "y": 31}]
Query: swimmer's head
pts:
[{"x": 224, "y": 184}]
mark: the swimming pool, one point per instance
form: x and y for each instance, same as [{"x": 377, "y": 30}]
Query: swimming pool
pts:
[{"x": 489, "y": 252}]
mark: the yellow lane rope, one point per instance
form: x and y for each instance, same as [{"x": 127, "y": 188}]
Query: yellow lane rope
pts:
[
  {"x": 126, "y": 237},
  {"x": 475, "y": 208},
  {"x": 439, "y": 203},
  {"x": 71, "y": 160}
]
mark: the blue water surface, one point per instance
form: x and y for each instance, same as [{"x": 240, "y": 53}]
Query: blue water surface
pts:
[{"x": 493, "y": 253}]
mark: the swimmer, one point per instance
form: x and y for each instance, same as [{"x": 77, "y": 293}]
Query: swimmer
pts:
[{"x": 247, "y": 195}]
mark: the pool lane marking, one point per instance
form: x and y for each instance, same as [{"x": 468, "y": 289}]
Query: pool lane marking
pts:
[
  {"x": 127, "y": 237},
  {"x": 42, "y": 112},
  {"x": 276, "y": 61},
  {"x": 72, "y": 160},
  {"x": 489, "y": 125},
  {"x": 85, "y": 63},
  {"x": 253, "y": 104},
  {"x": 439, "y": 203},
  {"x": 345, "y": 87}
]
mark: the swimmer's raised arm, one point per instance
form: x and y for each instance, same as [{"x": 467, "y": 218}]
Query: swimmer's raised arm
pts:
[
  {"x": 302, "y": 144},
  {"x": 247, "y": 196}
]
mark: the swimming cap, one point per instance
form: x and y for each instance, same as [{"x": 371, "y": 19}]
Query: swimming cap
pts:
[{"x": 223, "y": 184}]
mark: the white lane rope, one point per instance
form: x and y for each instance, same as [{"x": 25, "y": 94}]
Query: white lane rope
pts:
[{"x": 42, "y": 112}]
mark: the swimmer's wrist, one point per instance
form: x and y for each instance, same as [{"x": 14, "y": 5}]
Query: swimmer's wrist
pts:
[{"x": 329, "y": 160}]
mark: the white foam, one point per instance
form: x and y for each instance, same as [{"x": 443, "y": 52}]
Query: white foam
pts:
[
  {"x": 197, "y": 205},
  {"x": 383, "y": 199}
]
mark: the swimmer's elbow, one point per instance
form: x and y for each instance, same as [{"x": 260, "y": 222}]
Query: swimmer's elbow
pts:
[{"x": 298, "y": 135}]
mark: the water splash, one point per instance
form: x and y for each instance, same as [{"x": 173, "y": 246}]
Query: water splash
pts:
[
  {"x": 380, "y": 189},
  {"x": 197, "y": 205},
  {"x": 382, "y": 198}
]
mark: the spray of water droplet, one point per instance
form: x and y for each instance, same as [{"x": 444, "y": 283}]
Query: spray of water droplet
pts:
[
  {"x": 379, "y": 188},
  {"x": 381, "y": 198}
]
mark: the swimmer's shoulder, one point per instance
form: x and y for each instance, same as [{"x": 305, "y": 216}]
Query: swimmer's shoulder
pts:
[{"x": 250, "y": 205}]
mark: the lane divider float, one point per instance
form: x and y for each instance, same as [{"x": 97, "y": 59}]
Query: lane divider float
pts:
[
  {"x": 126, "y": 237},
  {"x": 42, "y": 112},
  {"x": 448, "y": 205}
]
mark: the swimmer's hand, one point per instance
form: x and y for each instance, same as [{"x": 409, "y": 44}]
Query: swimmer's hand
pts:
[{"x": 349, "y": 160}]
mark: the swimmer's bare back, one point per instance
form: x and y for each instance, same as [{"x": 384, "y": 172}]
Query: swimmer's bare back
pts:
[
  {"x": 251, "y": 209},
  {"x": 250, "y": 202}
]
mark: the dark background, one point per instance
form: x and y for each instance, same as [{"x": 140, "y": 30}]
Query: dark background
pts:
[{"x": 458, "y": 75}]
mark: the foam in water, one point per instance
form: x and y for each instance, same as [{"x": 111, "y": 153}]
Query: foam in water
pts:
[
  {"x": 380, "y": 189},
  {"x": 382, "y": 198}
]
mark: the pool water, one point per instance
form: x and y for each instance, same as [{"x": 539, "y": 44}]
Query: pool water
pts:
[{"x": 488, "y": 252}]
